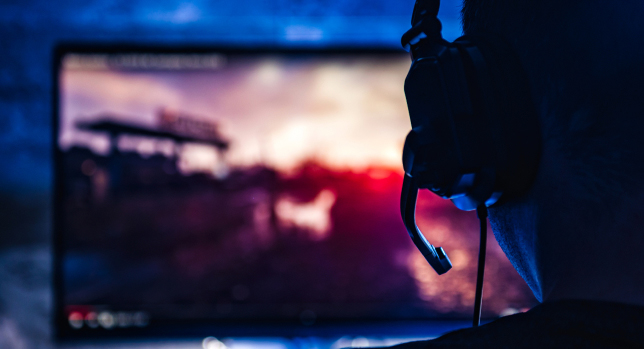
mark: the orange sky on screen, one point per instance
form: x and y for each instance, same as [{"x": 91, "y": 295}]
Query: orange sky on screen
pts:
[{"x": 344, "y": 112}]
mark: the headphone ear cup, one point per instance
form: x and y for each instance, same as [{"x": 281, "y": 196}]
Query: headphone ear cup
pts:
[
  {"x": 470, "y": 102},
  {"x": 500, "y": 92}
]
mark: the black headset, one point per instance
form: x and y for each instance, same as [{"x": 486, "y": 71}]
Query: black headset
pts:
[{"x": 475, "y": 135}]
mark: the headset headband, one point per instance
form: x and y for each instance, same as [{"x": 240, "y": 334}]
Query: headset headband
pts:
[{"x": 424, "y": 22}]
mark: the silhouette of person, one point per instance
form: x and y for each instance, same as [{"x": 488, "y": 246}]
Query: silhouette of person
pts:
[{"x": 577, "y": 236}]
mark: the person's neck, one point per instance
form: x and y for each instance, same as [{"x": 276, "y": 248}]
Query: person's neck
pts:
[{"x": 593, "y": 258}]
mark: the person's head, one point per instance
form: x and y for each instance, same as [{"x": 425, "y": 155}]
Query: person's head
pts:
[{"x": 575, "y": 234}]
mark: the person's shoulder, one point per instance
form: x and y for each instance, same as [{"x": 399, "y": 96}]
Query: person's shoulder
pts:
[
  {"x": 504, "y": 332},
  {"x": 587, "y": 324}
]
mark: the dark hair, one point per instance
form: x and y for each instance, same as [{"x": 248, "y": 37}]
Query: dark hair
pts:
[{"x": 584, "y": 61}]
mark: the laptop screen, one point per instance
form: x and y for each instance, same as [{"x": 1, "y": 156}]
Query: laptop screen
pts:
[{"x": 233, "y": 188}]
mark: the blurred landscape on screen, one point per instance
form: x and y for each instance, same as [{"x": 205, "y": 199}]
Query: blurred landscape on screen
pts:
[{"x": 258, "y": 186}]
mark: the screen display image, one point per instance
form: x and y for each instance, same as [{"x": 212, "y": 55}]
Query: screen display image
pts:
[{"x": 250, "y": 187}]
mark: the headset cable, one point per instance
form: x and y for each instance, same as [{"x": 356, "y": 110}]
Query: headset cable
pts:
[{"x": 481, "y": 212}]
